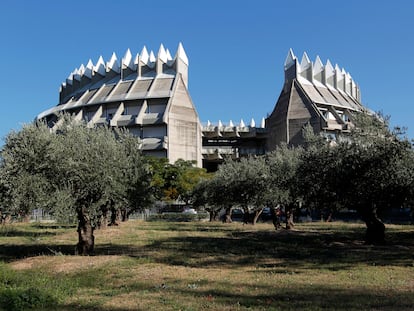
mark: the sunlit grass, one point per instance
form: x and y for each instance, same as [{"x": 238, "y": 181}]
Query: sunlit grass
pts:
[{"x": 213, "y": 266}]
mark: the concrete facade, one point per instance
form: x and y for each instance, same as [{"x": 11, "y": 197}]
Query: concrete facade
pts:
[
  {"x": 323, "y": 96},
  {"x": 232, "y": 141},
  {"x": 149, "y": 95},
  {"x": 146, "y": 94}
]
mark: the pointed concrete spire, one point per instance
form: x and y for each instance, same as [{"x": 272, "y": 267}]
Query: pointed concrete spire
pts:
[
  {"x": 318, "y": 70},
  {"x": 337, "y": 69},
  {"x": 242, "y": 123},
  {"x": 151, "y": 60},
  {"x": 136, "y": 59},
  {"x": 162, "y": 54},
  {"x": 79, "y": 73},
  {"x": 305, "y": 68},
  {"x": 88, "y": 69},
  {"x": 220, "y": 124},
  {"x": 349, "y": 76},
  {"x": 81, "y": 69},
  {"x": 100, "y": 66},
  {"x": 329, "y": 74},
  {"x": 339, "y": 78},
  {"x": 263, "y": 123},
  {"x": 252, "y": 123},
  {"x": 181, "y": 54},
  {"x": 169, "y": 58},
  {"x": 113, "y": 63},
  {"x": 208, "y": 123},
  {"x": 329, "y": 67},
  {"x": 75, "y": 72},
  {"x": 231, "y": 123},
  {"x": 353, "y": 89},
  {"x": 62, "y": 88},
  {"x": 69, "y": 79},
  {"x": 318, "y": 65},
  {"x": 305, "y": 63},
  {"x": 290, "y": 59},
  {"x": 168, "y": 55},
  {"x": 144, "y": 56},
  {"x": 348, "y": 83},
  {"x": 127, "y": 61},
  {"x": 152, "y": 57}
]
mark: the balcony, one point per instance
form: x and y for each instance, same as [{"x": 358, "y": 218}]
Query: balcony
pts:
[
  {"x": 154, "y": 143},
  {"x": 124, "y": 120},
  {"x": 217, "y": 153}
]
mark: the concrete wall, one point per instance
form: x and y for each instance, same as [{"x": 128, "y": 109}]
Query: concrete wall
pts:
[
  {"x": 292, "y": 112},
  {"x": 184, "y": 130}
]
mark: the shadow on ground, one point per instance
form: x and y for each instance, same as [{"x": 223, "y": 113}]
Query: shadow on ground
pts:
[
  {"x": 295, "y": 297},
  {"x": 278, "y": 249},
  {"x": 331, "y": 249}
]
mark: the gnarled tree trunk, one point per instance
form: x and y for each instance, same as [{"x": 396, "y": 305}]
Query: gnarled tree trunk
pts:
[
  {"x": 276, "y": 213},
  {"x": 256, "y": 215},
  {"x": 213, "y": 215},
  {"x": 227, "y": 215},
  {"x": 103, "y": 220},
  {"x": 115, "y": 214},
  {"x": 124, "y": 214},
  {"x": 86, "y": 239},
  {"x": 289, "y": 213},
  {"x": 375, "y": 233}
]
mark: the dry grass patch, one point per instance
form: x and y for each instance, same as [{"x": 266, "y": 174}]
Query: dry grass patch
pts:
[
  {"x": 212, "y": 266},
  {"x": 64, "y": 264}
]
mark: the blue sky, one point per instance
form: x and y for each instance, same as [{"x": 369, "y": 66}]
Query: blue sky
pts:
[{"x": 236, "y": 49}]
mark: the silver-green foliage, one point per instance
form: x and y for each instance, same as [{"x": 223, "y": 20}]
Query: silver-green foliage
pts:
[{"x": 71, "y": 167}]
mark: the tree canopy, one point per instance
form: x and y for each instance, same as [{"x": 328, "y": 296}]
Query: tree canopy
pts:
[
  {"x": 172, "y": 182},
  {"x": 87, "y": 174},
  {"x": 368, "y": 170},
  {"x": 73, "y": 170}
]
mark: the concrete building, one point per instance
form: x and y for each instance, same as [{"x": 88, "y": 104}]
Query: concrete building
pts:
[
  {"x": 148, "y": 94},
  {"x": 323, "y": 96},
  {"x": 232, "y": 141}
]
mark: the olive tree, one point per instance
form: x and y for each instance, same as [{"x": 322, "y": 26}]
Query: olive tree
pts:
[
  {"x": 73, "y": 169},
  {"x": 100, "y": 167},
  {"x": 281, "y": 187},
  {"x": 25, "y": 170},
  {"x": 238, "y": 183},
  {"x": 371, "y": 171}
]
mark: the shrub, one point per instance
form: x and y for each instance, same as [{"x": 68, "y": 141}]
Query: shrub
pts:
[
  {"x": 24, "y": 298},
  {"x": 23, "y": 290}
]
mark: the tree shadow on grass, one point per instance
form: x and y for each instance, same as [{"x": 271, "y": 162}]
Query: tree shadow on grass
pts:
[
  {"x": 33, "y": 230},
  {"x": 223, "y": 295},
  {"x": 330, "y": 249},
  {"x": 268, "y": 249},
  {"x": 26, "y": 233},
  {"x": 312, "y": 297},
  {"x": 14, "y": 252},
  {"x": 186, "y": 226}
]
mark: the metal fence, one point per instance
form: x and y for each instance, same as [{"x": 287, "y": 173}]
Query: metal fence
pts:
[{"x": 39, "y": 215}]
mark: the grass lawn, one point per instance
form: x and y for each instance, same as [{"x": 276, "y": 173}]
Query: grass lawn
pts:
[{"x": 206, "y": 266}]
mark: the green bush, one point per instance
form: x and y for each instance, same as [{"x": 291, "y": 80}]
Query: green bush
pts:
[
  {"x": 25, "y": 290},
  {"x": 15, "y": 299}
]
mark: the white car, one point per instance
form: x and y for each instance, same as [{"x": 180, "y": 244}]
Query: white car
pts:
[{"x": 189, "y": 211}]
